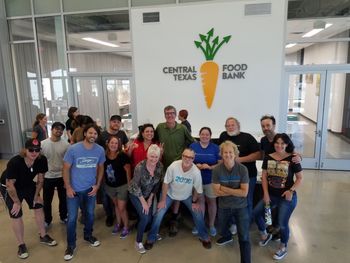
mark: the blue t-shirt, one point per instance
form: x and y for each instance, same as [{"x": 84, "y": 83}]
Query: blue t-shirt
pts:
[
  {"x": 209, "y": 155},
  {"x": 84, "y": 164}
]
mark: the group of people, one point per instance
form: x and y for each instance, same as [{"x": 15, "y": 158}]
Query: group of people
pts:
[{"x": 162, "y": 168}]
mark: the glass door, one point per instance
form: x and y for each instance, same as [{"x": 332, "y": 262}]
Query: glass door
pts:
[
  {"x": 335, "y": 149},
  {"x": 304, "y": 119}
]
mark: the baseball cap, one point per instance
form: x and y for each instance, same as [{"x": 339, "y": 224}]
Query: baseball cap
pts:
[
  {"x": 115, "y": 117},
  {"x": 32, "y": 143},
  {"x": 58, "y": 124}
]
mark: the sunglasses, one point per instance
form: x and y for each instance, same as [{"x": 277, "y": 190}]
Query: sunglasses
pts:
[
  {"x": 187, "y": 157},
  {"x": 37, "y": 150}
]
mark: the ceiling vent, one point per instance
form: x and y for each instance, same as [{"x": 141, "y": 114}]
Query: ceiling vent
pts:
[
  {"x": 151, "y": 17},
  {"x": 257, "y": 9}
]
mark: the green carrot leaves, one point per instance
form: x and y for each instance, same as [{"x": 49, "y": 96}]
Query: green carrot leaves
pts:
[{"x": 210, "y": 48}]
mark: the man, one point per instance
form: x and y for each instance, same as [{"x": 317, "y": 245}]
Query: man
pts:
[
  {"x": 175, "y": 138},
  {"x": 230, "y": 183},
  {"x": 82, "y": 174},
  {"x": 115, "y": 123},
  {"x": 17, "y": 185},
  {"x": 249, "y": 152},
  {"x": 54, "y": 149},
  {"x": 182, "y": 182}
]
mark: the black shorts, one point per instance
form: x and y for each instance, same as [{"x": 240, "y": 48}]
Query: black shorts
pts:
[{"x": 27, "y": 195}]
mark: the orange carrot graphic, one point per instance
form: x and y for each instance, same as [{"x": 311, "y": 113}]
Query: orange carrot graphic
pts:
[{"x": 209, "y": 69}]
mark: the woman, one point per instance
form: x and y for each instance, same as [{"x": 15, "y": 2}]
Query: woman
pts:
[
  {"x": 117, "y": 176},
  {"x": 230, "y": 181},
  {"x": 143, "y": 188},
  {"x": 39, "y": 127},
  {"x": 138, "y": 149},
  {"x": 206, "y": 158},
  {"x": 279, "y": 189},
  {"x": 82, "y": 121},
  {"x": 73, "y": 112},
  {"x": 17, "y": 184}
]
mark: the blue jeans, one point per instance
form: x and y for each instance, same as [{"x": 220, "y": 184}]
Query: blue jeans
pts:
[
  {"x": 198, "y": 219},
  {"x": 87, "y": 203},
  {"x": 143, "y": 218},
  {"x": 250, "y": 196},
  {"x": 285, "y": 210},
  {"x": 242, "y": 219}
]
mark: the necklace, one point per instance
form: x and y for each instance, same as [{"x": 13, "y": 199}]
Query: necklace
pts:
[{"x": 29, "y": 164}]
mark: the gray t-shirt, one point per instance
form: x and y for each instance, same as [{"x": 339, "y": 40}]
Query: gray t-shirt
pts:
[
  {"x": 232, "y": 179},
  {"x": 54, "y": 152}
]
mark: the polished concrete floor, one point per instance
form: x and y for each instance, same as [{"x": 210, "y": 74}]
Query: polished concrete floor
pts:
[{"x": 320, "y": 232}]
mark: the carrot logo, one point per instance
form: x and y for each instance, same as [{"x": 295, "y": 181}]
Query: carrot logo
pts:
[{"x": 209, "y": 69}]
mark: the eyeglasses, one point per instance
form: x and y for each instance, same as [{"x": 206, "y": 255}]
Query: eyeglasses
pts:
[
  {"x": 37, "y": 150},
  {"x": 187, "y": 157},
  {"x": 170, "y": 113}
]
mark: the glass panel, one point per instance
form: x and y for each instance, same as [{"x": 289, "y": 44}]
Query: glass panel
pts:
[
  {"x": 53, "y": 67},
  {"x": 100, "y": 62},
  {"x": 317, "y": 53},
  {"x": 338, "y": 124},
  {"x": 118, "y": 94},
  {"x": 105, "y": 31},
  {"x": 25, "y": 68},
  {"x": 303, "y": 98},
  {"x": 21, "y": 29},
  {"x": 46, "y": 6},
  {"x": 80, "y": 5},
  {"x": 17, "y": 8},
  {"x": 151, "y": 2},
  {"x": 90, "y": 98},
  {"x": 189, "y": 1}
]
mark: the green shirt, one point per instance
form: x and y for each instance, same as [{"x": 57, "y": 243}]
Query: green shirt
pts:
[{"x": 175, "y": 141}]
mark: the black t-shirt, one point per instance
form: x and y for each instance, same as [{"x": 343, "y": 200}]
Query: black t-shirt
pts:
[
  {"x": 69, "y": 127},
  {"x": 17, "y": 169},
  {"x": 115, "y": 174},
  {"x": 280, "y": 174},
  {"x": 266, "y": 146},
  {"x": 246, "y": 144},
  {"x": 102, "y": 139}
]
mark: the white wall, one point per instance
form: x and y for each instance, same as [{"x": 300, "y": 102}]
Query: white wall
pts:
[{"x": 257, "y": 41}]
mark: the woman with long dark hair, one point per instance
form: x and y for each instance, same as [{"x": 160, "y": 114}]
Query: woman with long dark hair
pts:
[
  {"x": 73, "y": 112},
  {"x": 39, "y": 127}
]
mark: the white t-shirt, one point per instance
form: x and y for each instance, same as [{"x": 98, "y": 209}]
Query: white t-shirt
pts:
[
  {"x": 54, "y": 152},
  {"x": 181, "y": 183}
]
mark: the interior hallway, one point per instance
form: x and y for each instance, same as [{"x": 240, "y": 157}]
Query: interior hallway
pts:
[{"x": 320, "y": 232}]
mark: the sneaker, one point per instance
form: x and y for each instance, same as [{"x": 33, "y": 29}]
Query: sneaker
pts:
[
  {"x": 22, "y": 251},
  {"x": 93, "y": 241},
  {"x": 281, "y": 253},
  {"x": 212, "y": 231},
  {"x": 159, "y": 237},
  {"x": 233, "y": 229},
  {"x": 173, "y": 229},
  {"x": 148, "y": 245},
  {"x": 264, "y": 242},
  {"x": 109, "y": 221},
  {"x": 206, "y": 244},
  {"x": 125, "y": 232},
  {"x": 140, "y": 248},
  {"x": 68, "y": 254},
  {"x": 224, "y": 240},
  {"x": 276, "y": 237},
  {"x": 194, "y": 231},
  {"x": 47, "y": 240},
  {"x": 64, "y": 221},
  {"x": 116, "y": 229}
]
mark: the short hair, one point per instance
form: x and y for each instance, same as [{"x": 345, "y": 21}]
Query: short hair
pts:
[
  {"x": 71, "y": 111},
  {"x": 183, "y": 114},
  {"x": 110, "y": 137},
  {"x": 153, "y": 148},
  {"x": 169, "y": 107},
  {"x": 189, "y": 149},
  {"x": 205, "y": 128},
  {"x": 234, "y": 119},
  {"x": 285, "y": 138},
  {"x": 229, "y": 144},
  {"x": 268, "y": 117},
  {"x": 91, "y": 125}
]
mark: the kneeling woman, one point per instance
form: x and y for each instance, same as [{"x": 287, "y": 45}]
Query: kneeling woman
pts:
[
  {"x": 279, "y": 190},
  {"x": 143, "y": 188},
  {"x": 116, "y": 179}
]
